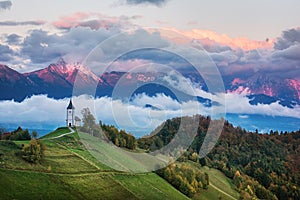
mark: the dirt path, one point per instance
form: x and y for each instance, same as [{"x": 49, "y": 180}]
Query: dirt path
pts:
[{"x": 71, "y": 131}]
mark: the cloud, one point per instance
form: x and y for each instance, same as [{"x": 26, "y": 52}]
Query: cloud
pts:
[
  {"x": 94, "y": 21},
  {"x": 292, "y": 53},
  {"x": 4, "y": 5},
  {"x": 244, "y": 107},
  {"x": 149, "y": 2},
  {"x": 42, "y": 47},
  {"x": 132, "y": 116},
  {"x": 224, "y": 40},
  {"x": 289, "y": 38},
  {"x": 224, "y": 58},
  {"x": 84, "y": 31},
  {"x": 287, "y": 48},
  {"x": 13, "y": 39},
  {"x": 35, "y": 109},
  {"x": 22, "y": 23},
  {"x": 5, "y": 53}
]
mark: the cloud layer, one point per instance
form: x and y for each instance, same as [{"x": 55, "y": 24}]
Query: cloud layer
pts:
[
  {"x": 133, "y": 116},
  {"x": 153, "y": 2},
  {"x": 4, "y": 5},
  {"x": 94, "y": 21},
  {"x": 81, "y": 32},
  {"x": 22, "y": 23}
]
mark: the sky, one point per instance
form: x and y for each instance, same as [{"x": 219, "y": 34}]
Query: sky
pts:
[
  {"x": 28, "y": 28},
  {"x": 238, "y": 36},
  {"x": 253, "y": 19}
]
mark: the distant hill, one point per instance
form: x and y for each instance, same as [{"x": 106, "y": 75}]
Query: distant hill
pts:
[{"x": 268, "y": 163}]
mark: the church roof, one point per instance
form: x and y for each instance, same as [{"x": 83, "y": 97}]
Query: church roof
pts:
[{"x": 70, "y": 106}]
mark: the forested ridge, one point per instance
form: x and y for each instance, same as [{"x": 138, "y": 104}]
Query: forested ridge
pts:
[{"x": 264, "y": 166}]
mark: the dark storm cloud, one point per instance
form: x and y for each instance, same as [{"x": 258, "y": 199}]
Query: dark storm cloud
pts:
[
  {"x": 4, "y": 5},
  {"x": 13, "y": 39},
  {"x": 291, "y": 53},
  {"x": 42, "y": 47},
  {"x": 153, "y": 2},
  {"x": 287, "y": 49},
  {"x": 5, "y": 53},
  {"x": 288, "y": 38},
  {"x": 22, "y": 23}
]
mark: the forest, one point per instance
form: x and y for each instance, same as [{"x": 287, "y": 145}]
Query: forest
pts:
[{"x": 264, "y": 166}]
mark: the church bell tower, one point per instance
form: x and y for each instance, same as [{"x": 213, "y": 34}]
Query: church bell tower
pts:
[{"x": 70, "y": 121}]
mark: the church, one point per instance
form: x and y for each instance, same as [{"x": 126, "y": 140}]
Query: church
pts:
[{"x": 72, "y": 120}]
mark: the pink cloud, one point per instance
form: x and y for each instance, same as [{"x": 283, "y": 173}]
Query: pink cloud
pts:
[
  {"x": 70, "y": 21},
  {"x": 223, "y": 39},
  {"x": 93, "y": 20}
]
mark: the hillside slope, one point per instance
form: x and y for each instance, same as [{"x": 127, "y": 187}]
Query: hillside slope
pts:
[
  {"x": 264, "y": 166},
  {"x": 68, "y": 171}
]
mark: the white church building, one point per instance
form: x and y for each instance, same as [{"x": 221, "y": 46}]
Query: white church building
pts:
[{"x": 70, "y": 121}]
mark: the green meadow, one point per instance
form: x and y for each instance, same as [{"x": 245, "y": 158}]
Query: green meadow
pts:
[{"x": 70, "y": 171}]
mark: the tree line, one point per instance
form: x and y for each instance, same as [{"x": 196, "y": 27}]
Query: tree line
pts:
[
  {"x": 107, "y": 132},
  {"x": 33, "y": 151},
  {"x": 264, "y": 166}
]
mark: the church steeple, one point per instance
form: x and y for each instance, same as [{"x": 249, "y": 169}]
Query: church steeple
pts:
[
  {"x": 70, "y": 106},
  {"x": 70, "y": 121}
]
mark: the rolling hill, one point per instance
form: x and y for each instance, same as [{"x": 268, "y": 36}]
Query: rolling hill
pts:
[{"x": 69, "y": 171}]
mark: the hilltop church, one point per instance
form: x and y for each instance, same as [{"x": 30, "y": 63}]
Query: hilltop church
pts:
[{"x": 72, "y": 120}]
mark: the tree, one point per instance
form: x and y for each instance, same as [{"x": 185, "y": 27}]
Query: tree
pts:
[
  {"x": 20, "y": 134},
  {"x": 34, "y": 151},
  {"x": 34, "y": 134},
  {"x": 194, "y": 157},
  {"x": 88, "y": 120}
]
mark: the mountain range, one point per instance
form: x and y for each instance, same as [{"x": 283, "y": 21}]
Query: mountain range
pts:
[{"x": 57, "y": 81}]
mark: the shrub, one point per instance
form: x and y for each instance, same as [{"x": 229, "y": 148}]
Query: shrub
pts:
[{"x": 34, "y": 151}]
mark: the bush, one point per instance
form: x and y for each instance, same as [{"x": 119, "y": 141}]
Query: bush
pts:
[{"x": 34, "y": 151}]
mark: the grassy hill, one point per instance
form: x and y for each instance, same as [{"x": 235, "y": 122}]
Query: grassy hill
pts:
[{"x": 69, "y": 171}]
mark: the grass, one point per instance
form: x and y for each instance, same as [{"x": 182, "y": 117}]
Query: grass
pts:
[
  {"x": 118, "y": 158},
  {"x": 24, "y": 185},
  {"x": 97, "y": 186},
  {"x": 69, "y": 171},
  {"x": 211, "y": 193},
  {"x": 57, "y": 132},
  {"x": 73, "y": 144},
  {"x": 36, "y": 185},
  {"x": 10, "y": 157},
  {"x": 148, "y": 186},
  {"x": 216, "y": 180}
]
